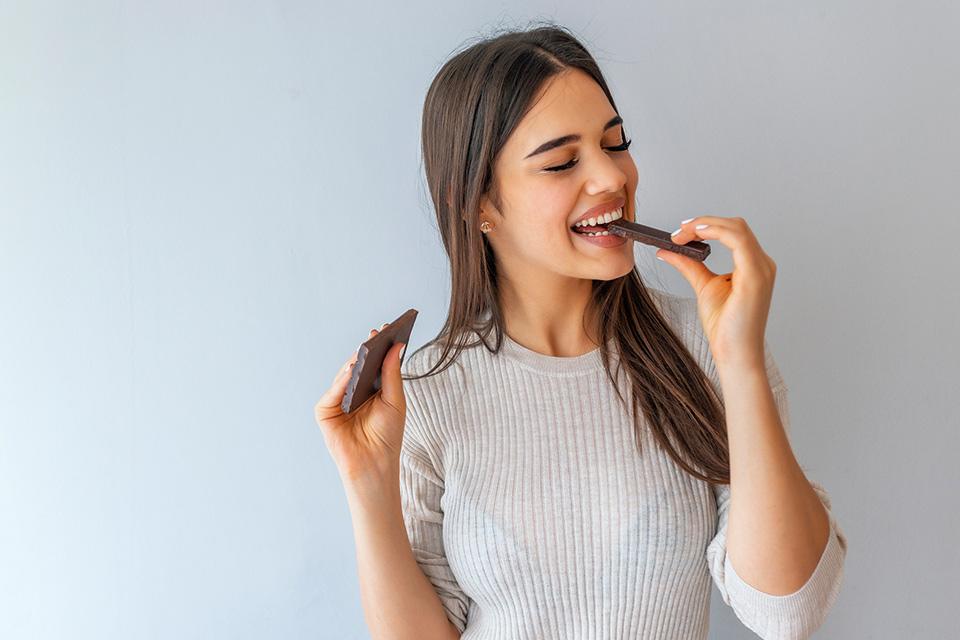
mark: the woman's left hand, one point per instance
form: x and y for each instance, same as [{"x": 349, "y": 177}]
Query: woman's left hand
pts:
[{"x": 733, "y": 307}]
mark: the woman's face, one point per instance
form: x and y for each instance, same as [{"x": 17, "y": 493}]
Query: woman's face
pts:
[{"x": 544, "y": 192}]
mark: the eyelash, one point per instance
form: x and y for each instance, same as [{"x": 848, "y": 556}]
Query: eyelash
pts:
[{"x": 571, "y": 164}]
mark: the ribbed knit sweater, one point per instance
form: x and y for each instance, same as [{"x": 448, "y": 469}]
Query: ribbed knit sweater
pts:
[{"x": 530, "y": 510}]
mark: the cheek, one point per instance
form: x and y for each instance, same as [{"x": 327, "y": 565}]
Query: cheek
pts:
[
  {"x": 549, "y": 208},
  {"x": 629, "y": 168}
]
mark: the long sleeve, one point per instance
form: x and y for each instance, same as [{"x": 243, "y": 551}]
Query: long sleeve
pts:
[
  {"x": 774, "y": 617},
  {"x": 420, "y": 490}
]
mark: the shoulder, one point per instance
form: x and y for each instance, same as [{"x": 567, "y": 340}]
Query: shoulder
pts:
[
  {"x": 682, "y": 314},
  {"x": 425, "y": 358},
  {"x": 442, "y": 384},
  {"x": 436, "y": 403},
  {"x": 684, "y": 317}
]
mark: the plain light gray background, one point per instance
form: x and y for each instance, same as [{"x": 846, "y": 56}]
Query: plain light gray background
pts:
[{"x": 206, "y": 206}]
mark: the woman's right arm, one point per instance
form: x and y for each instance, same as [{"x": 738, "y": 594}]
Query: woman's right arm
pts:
[{"x": 398, "y": 600}]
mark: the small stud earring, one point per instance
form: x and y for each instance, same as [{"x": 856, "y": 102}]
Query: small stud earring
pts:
[{"x": 485, "y": 226}]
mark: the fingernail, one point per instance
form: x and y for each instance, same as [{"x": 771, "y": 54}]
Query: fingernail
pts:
[
  {"x": 660, "y": 259},
  {"x": 686, "y": 221},
  {"x": 701, "y": 226},
  {"x": 383, "y": 325},
  {"x": 676, "y": 232}
]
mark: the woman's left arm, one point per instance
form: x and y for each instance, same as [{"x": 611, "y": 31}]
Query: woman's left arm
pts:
[{"x": 778, "y": 527}]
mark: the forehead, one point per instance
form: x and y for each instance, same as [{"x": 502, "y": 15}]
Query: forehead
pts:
[{"x": 569, "y": 103}]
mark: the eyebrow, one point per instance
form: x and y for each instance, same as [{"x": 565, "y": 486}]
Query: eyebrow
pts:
[{"x": 567, "y": 139}]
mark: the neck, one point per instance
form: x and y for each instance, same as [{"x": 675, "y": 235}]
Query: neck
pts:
[{"x": 550, "y": 317}]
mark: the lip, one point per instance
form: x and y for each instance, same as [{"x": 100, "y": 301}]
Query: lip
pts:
[
  {"x": 603, "y": 241},
  {"x": 600, "y": 209}
]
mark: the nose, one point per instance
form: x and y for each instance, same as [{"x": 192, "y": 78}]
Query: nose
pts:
[{"x": 605, "y": 174}]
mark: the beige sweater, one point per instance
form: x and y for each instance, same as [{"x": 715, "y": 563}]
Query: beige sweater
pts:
[{"x": 530, "y": 510}]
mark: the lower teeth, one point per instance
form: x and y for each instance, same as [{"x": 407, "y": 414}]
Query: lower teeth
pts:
[{"x": 602, "y": 233}]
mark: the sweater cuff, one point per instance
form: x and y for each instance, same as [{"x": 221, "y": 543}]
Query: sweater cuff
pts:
[{"x": 794, "y": 614}]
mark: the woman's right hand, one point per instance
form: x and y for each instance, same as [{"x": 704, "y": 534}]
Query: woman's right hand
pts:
[{"x": 365, "y": 444}]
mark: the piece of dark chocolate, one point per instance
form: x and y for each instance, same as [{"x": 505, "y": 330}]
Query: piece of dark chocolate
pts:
[
  {"x": 650, "y": 235},
  {"x": 365, "y": 378}
]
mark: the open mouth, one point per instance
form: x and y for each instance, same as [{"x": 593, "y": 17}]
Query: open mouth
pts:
[{"x": 599, "y": 224}]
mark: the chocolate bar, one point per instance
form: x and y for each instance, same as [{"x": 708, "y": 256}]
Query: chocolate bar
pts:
[
  {"x": 365, "y": 379},
  {"x": 650, "y": 235}
]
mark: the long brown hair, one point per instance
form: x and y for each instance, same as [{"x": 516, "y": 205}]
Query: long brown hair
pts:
[{"x": 472, "y": 106}]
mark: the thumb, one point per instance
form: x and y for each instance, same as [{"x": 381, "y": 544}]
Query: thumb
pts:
[
  {"x": 391, "y": 388},
  {"x": 694, "y": 271}
]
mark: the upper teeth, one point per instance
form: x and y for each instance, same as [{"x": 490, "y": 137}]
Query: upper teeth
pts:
[{"x": 603, "y": 219}]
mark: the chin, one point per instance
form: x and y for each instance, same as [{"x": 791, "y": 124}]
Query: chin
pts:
[{"x": 614, "y": 271}]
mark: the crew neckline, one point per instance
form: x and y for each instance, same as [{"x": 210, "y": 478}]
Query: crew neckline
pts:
[
  {"x": 542, "y": 363},
  {"x": 567, "y": 365}
]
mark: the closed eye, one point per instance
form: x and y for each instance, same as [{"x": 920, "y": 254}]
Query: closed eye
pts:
[{"x": 572, "y": 163}]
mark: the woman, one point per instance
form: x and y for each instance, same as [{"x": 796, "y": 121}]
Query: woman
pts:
[{"x": 593, "y": 451}]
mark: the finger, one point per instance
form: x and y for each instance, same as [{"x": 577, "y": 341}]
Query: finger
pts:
[
  {"x": 329, "y": 404},
  {"x": 330, "y": 401},
  {"x": 733, "y": 233},
  {"x": 687, "y": 230},
  {"x": 374, "y": 332},
  {"x": 353, "y": 358},
  {"x": 345, "y": 367},
  {"x": 694, "y": 271},
  {"x": 392, "y": 387}
]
